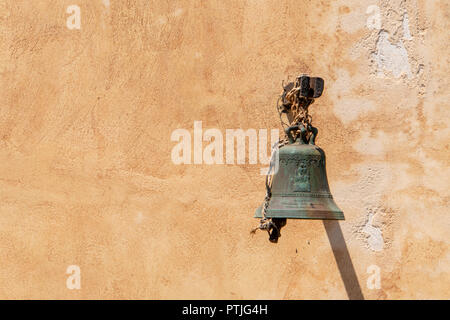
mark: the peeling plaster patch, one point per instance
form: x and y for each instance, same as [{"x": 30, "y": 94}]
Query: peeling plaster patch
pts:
[
  {"x": 371, "y": 146},
  {"x": 350, "y": 109},
  {"x": 406, "y": 33},
  {"x": 367, "y": 196},
  {"x": 375, "y": 236},
  {"x": 106, "y": 3},
  {"x": 391, "y": 57}
]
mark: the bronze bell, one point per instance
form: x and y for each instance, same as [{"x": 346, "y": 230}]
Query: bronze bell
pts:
[{"x": 300, "y": 188}]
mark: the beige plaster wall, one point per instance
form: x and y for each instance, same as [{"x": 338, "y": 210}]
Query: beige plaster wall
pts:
[{"x": 87, "y": 179}]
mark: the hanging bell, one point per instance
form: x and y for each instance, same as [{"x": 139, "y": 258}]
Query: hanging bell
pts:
[{"x": 300, "y": 188}]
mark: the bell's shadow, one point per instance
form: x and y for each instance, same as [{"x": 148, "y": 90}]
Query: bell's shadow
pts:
[
  {"x": 340, "y": 252},
  {"x": 343, "y": 260}
]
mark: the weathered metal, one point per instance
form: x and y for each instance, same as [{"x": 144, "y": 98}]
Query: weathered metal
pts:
[{"x": 300, "y": 187}]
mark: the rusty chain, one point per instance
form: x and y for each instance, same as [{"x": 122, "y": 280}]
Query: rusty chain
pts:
[{"x": 298, "y": 106}]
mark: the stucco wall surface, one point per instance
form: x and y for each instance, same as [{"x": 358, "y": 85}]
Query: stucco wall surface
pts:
[{"x": 87, "y": 178}]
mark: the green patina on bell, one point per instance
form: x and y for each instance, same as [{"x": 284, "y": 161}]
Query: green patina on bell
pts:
[{"x": 300, "y": 188}]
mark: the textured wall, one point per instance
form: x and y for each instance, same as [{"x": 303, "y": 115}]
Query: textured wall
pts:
[{"x": 86, "y": 176}]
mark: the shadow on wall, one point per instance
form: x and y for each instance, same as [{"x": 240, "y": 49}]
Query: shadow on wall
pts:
[
  {"x": 340, "y": 252},
  {"x": 343, "y": 259}
]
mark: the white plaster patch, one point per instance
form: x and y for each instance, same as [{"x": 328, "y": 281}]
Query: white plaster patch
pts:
[
  {"x": 349, "y": 109},
  {"x": 406, "y": 33},
  {"x": 391, "y": 57},
  {"x": 367, "y": 197},
  {"x": 374, "y": 235},
  {"x": 106, "y": 3}
]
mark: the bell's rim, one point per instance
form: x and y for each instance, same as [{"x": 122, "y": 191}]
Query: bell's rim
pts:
[{"x": 301, "y": 214}]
